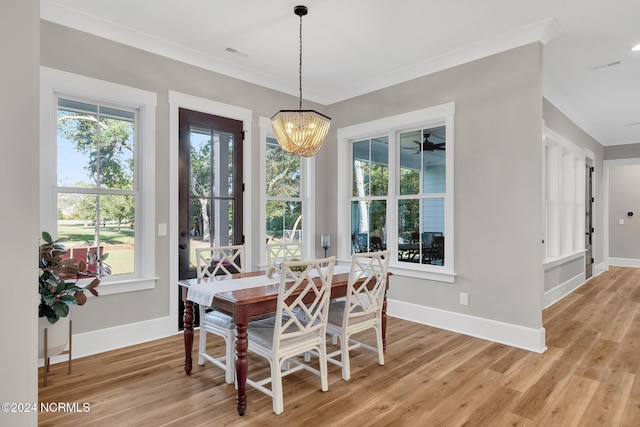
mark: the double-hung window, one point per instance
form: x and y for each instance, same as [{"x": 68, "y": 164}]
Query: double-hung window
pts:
[
  {"x": 286, "y": 201},
  {"x": 96, "y": 186},
  {"x": 97, "y": 174},
  {"x": 370, "y": 182},
  {"x": 282, "y": 190},
  {"x": 396, "y": 191}
]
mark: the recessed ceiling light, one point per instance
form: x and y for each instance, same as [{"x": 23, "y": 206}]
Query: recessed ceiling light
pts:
[{"x": 636, "y": 48}]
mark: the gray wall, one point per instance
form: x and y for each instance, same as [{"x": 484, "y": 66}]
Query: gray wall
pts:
[
  {"x": 498, "y": 168},
  {"x": 628, "y": 151},
  {"x": 624, "y": 196},
  {"x": 558, "y": 122},
  {"x": 19, "y": 48},
  {"x": 76, "y": 52},
  {"x": 498, "y": 175}
]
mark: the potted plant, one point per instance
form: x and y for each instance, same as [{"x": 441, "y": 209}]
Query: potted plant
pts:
[{"x": 61, "y": 278}]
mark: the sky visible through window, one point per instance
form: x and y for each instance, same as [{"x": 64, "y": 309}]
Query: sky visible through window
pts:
[{"x": 71, "y": 162}]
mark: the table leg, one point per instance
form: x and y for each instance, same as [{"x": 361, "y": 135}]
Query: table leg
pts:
[
  {"x": 188, "y": 334},
  {"x": 384, "y": 324},
  {"x": 241, "y": 366}
]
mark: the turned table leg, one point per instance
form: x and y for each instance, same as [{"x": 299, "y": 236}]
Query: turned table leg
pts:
[
  {"x": 188, "y": 333},
  {"x": 241, "y": 366},
  {"x": 384, "y": 325}
]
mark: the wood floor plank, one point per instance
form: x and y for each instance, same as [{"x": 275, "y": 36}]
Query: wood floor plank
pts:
[
  {"x": 513, "y": 357},
  {"x": 606, "y": 408},
  {"x": 618, "y": 324},
  {"x": 528, "y": 371},
  {"x": 509, "y": 419},
  {"x": 596, "y": 364},
  {"x": 490, "y": 412},
  {"x": 588, "y": 376},
  {"x": 626, "y": 358},
  {"x": 543, "y": 391},
  {"x": 471, "y": 397},
  {"x": 570, "y": 404},
  {"x": 631, "y": 417}
]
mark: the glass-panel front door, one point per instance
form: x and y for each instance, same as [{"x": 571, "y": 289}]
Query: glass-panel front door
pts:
[{"x": 210, "y": 186}]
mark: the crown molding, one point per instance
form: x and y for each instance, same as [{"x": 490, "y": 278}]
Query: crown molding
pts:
[
  {"x": 555, "y": 96},
  {"x": 542, "y": 31}
]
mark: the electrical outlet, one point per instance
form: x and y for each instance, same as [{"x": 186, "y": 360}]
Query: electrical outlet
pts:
[{"x": 464, "y": 298}]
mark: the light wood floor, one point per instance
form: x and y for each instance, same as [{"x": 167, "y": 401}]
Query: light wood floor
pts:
[{"x": 587, "y": 377}]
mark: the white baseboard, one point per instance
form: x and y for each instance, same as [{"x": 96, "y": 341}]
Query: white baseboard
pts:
[
  {"x": 504, "y": 333},
  {"x": 599, "y": 268},
  {"x": 94, "y": 342},
  {"x": 624, "y": 262}
]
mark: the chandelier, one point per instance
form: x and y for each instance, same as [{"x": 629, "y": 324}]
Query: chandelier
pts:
[{"x": 300, "y": 132}]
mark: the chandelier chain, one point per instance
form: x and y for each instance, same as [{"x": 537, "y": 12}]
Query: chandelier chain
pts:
[{"x": 300, "y": 68}]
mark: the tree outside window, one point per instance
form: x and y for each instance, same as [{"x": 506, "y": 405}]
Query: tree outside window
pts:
[{"x": 284, "y": 216}]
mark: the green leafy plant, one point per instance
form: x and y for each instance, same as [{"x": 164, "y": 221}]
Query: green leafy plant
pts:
[
  {"x": 59, "y": 278},
  {"x": 297, "y": 268}
]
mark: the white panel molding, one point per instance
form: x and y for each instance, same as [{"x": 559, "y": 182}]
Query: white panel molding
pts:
[
  {"x": 101, "y": 340},
  {"x": 554, "y": 295},
  {"x": 505, "y": 333},
  {"x": 547, "y": 265}
]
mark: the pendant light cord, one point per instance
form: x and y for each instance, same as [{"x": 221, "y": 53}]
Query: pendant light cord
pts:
[{"x": 300, "y": 72}]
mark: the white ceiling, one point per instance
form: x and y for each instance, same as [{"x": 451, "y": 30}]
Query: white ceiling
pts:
[{"x": 351, "y": 47}]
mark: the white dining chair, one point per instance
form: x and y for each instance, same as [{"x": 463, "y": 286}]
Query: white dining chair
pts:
[
  {"x": 361, "y": 309},
  {"x": 282, "y": 251},
  {"x": 216, "y": 260},
  {"x": 213, "y": 261},
  {"x": 305, "y": 287}
]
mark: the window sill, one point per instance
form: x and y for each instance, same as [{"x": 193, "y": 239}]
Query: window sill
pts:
[
  {"x": 128, "y": 285},
  {"x": 422, "y": 273},
  {"x": 554, "y": 262}
]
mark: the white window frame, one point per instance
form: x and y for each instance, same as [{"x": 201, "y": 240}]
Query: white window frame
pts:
[
  {"x": 391, "y": 126},
  {"x": 55, "y": 84},
  {"x": 307, "y": 169}
]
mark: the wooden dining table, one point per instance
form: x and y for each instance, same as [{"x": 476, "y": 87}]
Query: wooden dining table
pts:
[{"x": 245, "y": 305}]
